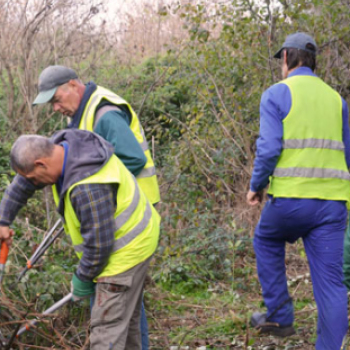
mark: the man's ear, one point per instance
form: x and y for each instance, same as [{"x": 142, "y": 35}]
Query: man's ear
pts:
[
  {"x": 40, "y": 163},
  {"x": 73, "y": 83},
  {"x": 284, "y": 54}
]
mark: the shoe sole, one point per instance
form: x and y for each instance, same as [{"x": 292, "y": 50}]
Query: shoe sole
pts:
[
  {"x": 276, "y": 331},
  {"x": 272, "y": 328}
]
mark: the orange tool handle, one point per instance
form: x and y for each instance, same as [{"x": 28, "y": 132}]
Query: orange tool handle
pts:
[{"x": 4, "y": 252}]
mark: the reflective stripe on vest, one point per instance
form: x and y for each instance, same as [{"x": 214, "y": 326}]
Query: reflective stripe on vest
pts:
[
  {"x": 147, "y": 172},
  {"x": 321, "y": 173},
  {"x": 108, "y": 108},
  {"x": 147, "y": 178},
  {"x": 144, "y": 143},
  {"x": 313, "y": 143},
  {"x": 123, "y": 218},
  {"x": 132, "y": 234}
]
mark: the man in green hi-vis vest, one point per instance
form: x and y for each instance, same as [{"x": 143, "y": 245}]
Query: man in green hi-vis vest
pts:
[
  {"x": 303, "y": 153},
  {"x": 113, "y": 227}
]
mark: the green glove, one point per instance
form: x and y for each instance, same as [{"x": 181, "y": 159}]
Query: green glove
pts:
[{"x": 81, "y": 289}]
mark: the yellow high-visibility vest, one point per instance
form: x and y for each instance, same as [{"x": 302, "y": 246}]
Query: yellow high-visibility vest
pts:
[
  {"x": 137, "y": 222},
  {"x": 312, "y": 163},
  {"x": 147, "y": 178}
]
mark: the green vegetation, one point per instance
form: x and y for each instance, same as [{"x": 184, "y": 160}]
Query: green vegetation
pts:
[{"x": 199, "y": 104}]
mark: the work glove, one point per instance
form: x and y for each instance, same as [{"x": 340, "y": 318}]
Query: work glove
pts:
[{"x": 80, "y": 289}]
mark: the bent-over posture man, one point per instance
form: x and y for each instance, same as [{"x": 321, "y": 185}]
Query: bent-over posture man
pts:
[
  {"x": 113, "y": 227},
  {"x": 303, "y": 150}
]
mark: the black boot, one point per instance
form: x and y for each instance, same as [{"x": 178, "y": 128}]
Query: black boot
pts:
[{"x": 258, "y": 321}]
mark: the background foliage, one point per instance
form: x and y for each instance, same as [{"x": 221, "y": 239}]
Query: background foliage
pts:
[{"x": 194, "y": 71}]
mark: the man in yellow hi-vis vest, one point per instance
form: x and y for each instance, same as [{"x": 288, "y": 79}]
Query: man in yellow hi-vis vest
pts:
[
  {"x": 303, "y": 152},
  {"x": 113, "y": 227},
  {"x": 97, "y": 109},
  {"x": 94, "y": 108}
]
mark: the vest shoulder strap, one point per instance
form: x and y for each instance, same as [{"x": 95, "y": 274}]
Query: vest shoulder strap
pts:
[{"x": 101, "y": 111}]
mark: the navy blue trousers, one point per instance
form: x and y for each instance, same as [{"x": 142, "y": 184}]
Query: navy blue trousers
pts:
[
  {"x": 321, "y": 224},
  {"x": 144, "y": 328}
]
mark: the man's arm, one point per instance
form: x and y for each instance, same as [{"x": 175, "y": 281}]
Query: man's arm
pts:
[
  {"x": 114, "y": 128},
  {"x": 15, "y": 197},
  {"x": 94, "y": 205},
  {"x": 274, "y": 107}
]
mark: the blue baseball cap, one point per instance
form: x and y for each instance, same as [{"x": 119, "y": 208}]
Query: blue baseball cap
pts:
[
  {"x": 50, "y": 79},
  {"x": 298, "y": 41}
]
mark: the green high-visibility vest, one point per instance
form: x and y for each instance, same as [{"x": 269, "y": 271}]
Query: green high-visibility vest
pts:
[
  {"x": 147, "y": 179},
  {"x": 312, "y": 163},
  {"x": 137, "y": 222}
]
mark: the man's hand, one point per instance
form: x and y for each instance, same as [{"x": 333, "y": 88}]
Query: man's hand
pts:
[
  {"x": 6, "y": 234},
  {"x": 254, "y": 198},
  {"x": 81, "y": 289}
]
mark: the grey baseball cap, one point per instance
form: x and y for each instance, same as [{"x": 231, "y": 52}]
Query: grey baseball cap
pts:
[
  {"x": 50, "y": 79},
  {"x": 297, "y": 41}
]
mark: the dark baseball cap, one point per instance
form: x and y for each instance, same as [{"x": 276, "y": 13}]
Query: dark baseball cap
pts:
[
  {"x": 50, "y": 79},
  {"x": 298, "y": 41}
]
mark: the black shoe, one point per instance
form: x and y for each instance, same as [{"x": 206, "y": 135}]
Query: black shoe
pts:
[{"x": 258, "y": 321}]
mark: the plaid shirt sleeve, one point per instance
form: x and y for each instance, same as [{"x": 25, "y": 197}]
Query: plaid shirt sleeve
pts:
[
  {"x": 15, "y": 197},
  {"x": 95, "y": 205}
]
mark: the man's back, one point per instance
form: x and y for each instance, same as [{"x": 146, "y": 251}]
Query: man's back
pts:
[{"x": 312, "y": 162}]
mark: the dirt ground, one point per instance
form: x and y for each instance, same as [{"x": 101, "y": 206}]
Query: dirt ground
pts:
[{"x": 221, "y": 323}]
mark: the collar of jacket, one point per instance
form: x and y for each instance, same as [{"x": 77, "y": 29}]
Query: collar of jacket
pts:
[{"x": 90, "y": 89}]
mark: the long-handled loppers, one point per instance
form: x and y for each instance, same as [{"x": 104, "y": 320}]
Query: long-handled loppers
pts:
[
  {"x": 50, "y": 310},
  {"x": 3, "y": 258},
  {"x": 44, "y": 245},
  {"x": 4, "y": 252}
]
